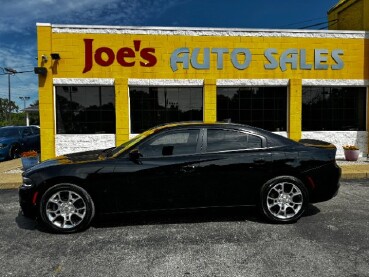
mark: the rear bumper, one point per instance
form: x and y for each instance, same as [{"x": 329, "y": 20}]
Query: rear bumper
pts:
[{"x": 325, "y": 182}]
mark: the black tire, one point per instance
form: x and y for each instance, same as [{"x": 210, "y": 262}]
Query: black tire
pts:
[
  {"x": 283, "y": 199},
  {"x": 14, "y": 152},
  {"x": 66, "y": 208}
]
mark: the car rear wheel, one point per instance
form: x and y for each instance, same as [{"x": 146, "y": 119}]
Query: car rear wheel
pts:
[
  {"x": 283, "y": 199},
  {"x": 66, "y": 208}
]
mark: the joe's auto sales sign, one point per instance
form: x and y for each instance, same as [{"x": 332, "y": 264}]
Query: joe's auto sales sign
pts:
[{"x": 205, "y": 58}]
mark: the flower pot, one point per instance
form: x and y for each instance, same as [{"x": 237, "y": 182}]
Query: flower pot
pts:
[
  {"x": 351, "y": 155},
  {"x": 28, "y": 162}
]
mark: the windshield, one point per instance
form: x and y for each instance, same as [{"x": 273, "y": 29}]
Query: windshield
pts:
[
  {"x": 120, "y": 149},
  {"x": 128, "y": 144},
  {"x": 9, "y": 132}
]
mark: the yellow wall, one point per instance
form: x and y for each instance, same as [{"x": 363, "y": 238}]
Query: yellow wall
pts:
[
  {"x": 45, "y": 94},
  {"x": 350, "y": 15},
  {"x": 71, "y": 48}
]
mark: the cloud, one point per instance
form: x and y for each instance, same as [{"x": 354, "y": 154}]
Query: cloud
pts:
[
  {"x": 18, "y": 20},
  {"x": 23, "y": 14}
]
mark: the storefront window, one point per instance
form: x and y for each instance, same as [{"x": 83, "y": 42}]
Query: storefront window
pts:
[
  {"x": 333, "y": 108},
  {"x": 151, "y": 106},
  {"x": 85, "y": 110},
  {"x": 264, "y": 107}
]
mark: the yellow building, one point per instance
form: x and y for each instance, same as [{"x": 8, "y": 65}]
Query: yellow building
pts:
[
  {"x": 101, "y": 85},
  {"x": 349, "y": 15}
]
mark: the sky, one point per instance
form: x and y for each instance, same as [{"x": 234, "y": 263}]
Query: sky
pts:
[{"x": 18, "y": 18}]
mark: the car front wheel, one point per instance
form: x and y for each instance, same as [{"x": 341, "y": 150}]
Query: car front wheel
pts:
[
  {"x": 14, "y": 152},
  {"x": 283, "y": 199},
  {"x": 66, "y": 208}
]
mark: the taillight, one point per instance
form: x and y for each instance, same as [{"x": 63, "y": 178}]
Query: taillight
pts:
[{"x": 311, "y": 182}]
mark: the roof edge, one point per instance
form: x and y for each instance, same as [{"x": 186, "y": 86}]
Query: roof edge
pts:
[{"x": 96, "y": 28}]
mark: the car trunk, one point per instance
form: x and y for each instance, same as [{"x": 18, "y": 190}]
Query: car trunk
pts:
[{"x": 319, "y": 144}]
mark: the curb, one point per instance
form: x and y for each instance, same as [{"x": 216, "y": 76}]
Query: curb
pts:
[{"x": 10, "y": 186}]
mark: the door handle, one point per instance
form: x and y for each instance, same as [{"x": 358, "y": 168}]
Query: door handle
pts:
[
  {"x": 259, "y": 161},
  {"x": 188, "y": 168}
]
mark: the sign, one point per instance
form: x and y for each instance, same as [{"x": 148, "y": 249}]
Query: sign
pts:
[{"x": 240, "y": 58}]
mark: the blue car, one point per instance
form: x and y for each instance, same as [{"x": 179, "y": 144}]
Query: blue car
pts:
[{"x": 17, "y": 139}]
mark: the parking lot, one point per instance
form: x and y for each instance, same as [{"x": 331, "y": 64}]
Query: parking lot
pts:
[{"x": 330, "y": 240}]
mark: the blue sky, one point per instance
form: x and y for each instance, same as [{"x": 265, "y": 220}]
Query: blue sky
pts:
[{"x": 18, "y": 49}]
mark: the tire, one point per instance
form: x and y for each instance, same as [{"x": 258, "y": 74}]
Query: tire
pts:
[
  {"x": 14, "y": 152},
  {"x": 283, "y": 199},
  {"x": 66, "y": 208}
]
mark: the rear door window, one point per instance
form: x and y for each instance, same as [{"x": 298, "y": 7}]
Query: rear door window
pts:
[{"x": 223, "y": 140}]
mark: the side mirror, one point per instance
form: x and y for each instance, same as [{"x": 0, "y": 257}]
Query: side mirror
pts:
[{"x": 135, "y": 155}]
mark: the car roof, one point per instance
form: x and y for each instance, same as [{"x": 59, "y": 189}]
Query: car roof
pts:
[
  {"x": 272, "y": 138},
  {"x": 14, "y": 127},
  {"x": 208, "y": 124}
]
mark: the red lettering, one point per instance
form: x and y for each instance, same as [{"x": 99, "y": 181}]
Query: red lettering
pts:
[
  {"x": 88, "y": 55},
  {"x": 105, "y": 56},
  {"x": 99, "y": 56},
  {"x": 125, "y": 53},
  {"x": 148, "y": 55}
]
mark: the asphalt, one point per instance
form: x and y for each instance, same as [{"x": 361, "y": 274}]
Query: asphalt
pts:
[{"x": 11, "y": 171}]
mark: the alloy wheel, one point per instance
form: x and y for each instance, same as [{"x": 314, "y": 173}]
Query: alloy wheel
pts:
[
  {"x": 284, "y": 200},
  {"x": 66, "y": 209}
]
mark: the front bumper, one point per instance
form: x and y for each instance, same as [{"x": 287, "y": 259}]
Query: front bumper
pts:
[
  {"x": 27, "y": 202},
  {"x": 4, "y": 153}
]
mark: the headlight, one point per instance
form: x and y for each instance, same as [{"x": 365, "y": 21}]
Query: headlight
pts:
[
  {"x": 2, "y": 145},
  {"x": 27, "y": 182}
]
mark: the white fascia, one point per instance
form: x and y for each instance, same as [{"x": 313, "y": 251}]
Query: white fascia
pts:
[
  {"x": 166, "y": 82},
  {"x": 84, "y": 81},
  {"x": 335, "y": 82},
  {"x": 251, "y": 82}
]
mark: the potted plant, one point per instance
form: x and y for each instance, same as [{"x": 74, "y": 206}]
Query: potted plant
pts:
[
  {"x": 351, "y": 152},
  {"x": 29, "y": 159}
]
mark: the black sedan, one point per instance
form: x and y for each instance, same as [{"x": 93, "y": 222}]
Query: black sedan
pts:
[{"x": 183, "y": 165}]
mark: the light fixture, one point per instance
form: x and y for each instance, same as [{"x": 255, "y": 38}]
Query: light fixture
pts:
[
  {"x": 55, "y": 56},
  {"x": 44, "y": 58},
  {"x": 40, "y": 70}
]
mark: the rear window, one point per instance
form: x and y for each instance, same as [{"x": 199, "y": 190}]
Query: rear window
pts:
[{"x": 223, "y": 140}]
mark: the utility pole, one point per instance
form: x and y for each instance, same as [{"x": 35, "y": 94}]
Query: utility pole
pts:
[
  {"x": 10, "y": 71},
  {"x": 24, "y": 98}
]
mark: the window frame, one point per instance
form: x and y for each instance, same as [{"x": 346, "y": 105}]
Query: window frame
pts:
[
  {"x": 131, "y": 87},
  {"x": 205, "y": 140},
  {"x": 100, "y": 88},
  {"x": 242, "y": 99},
  {"x": 199, "y": 145},
  {"x": 327, "y": 90}
]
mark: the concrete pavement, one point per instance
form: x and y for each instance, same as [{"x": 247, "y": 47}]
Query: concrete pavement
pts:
[
  {"x": 11, "y": 171},
  {"x": 10, "y": 174}
]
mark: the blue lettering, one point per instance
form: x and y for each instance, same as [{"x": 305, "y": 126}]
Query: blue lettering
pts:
[
  {"x": 244, "y": 51},
  {"x": 336, "y": 57},
  {"x": 174, "y": 58},
  {"x": 194, "y": 59},
  {"x": 219, "y": 52},
  {"x": 320, "y": 60},
  {"x": 303, "y": 64},
  {"x": 273, "y": 63},
  {"x": 289, "y": 56}
]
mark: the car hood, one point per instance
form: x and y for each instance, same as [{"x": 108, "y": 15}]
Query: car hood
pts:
[
  {"x": 6, "y": 139},
  {"x": 75, "y": 158},
  {"x": 83, "y": 156}
]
